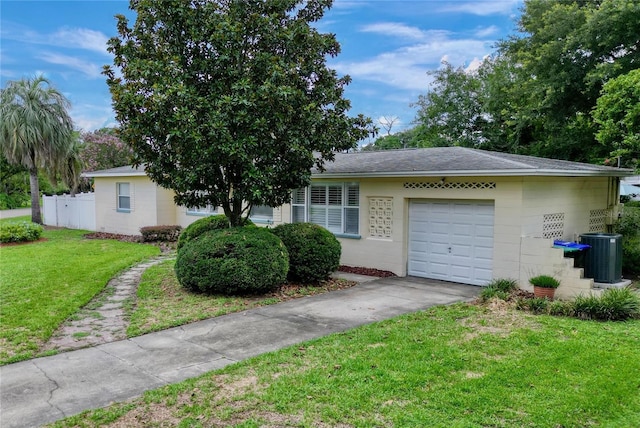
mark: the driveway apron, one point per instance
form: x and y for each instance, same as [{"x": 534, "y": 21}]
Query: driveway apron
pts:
[{"x": 46, "y": 389}]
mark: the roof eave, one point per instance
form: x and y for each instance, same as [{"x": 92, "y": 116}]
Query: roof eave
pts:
[
  {"x": 113, "y": 174},
  {"x": 477, "y": 173}
]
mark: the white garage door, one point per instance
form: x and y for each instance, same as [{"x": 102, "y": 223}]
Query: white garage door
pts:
[{"x": 451, "y": 240}]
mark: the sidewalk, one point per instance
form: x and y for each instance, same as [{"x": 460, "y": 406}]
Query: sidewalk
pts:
[
  {"x": 15, "y": 213},
  {"x": 46, "y": 389}
]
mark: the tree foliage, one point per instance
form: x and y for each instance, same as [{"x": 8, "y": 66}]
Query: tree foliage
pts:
[
  {"x": 451, "y": 112},
  {"x": 618, "y": 115},
  {"x": 35, "y": 131},
  {"x": 230, "y": 102},
  {"x": 102, "y": 149},
  {"x": 14, "y": 185},
  {"x": 536, "y": 94}
]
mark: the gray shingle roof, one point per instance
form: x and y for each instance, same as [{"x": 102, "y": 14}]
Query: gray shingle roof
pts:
[
  {"x": 120, "y": 171},
  {"x": 455, "y": 161},
  {"x": 437, "y": 161}
]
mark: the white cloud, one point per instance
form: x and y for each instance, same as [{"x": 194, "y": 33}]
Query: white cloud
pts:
[
  {"x": 90, "y": 69},
  {"x": 398, "y": 29},
  {"x": 76, "y": 38},
  {"x": 407, "y": 68},
  {"x": 395, "y": 29},
  {"x": 473, "y": 65},
  {"x": 81, "y": 38},
  {"x": 88, "y": 117},
  {"x": 483, "y": 8},
  {"x": 486, "y": 31}
]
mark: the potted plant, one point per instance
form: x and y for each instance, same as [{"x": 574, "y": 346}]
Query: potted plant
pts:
[{"x": 544, "y": 286}]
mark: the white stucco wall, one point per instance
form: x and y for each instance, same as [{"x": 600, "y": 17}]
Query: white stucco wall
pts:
[
  {"x": 520, "y": 205},
  {"x": 520, "y": 249},
  {"x": 143, "y": 211}
]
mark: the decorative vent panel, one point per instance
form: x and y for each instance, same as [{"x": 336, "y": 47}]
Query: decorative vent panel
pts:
[
  {"x": 598, "y": 220},
  {"x": 553, "y": 226},
  {"x": 381, "y": 217},
  {"x": 474, "y": 185}
]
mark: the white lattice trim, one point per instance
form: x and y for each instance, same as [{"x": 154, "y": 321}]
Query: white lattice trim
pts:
[
  {"x": 553, "y": 226},
  {"x": 381, "y": 217},
  {"x": 457, "y": 185},
  {"x": 598, "y": 220}
]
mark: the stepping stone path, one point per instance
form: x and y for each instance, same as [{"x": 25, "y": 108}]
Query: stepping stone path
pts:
[{"x": 102, "y": 320}]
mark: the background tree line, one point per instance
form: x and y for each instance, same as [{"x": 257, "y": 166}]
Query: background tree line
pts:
[
  {"x": 94, "y": 150},
  {"x": 566, "y": 85}
]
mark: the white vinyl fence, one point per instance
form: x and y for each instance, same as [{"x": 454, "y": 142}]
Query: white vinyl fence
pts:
[{"x": 78, "y": 212}]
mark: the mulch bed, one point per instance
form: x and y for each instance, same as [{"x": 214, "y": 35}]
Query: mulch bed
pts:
[
  {"x": 13, "y": 244},
  {"x": 103, "y": 235},
  {"x": 366, "y": 271}
]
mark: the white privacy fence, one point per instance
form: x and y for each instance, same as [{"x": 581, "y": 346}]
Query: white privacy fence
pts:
[{"x": 78, "y": 212}]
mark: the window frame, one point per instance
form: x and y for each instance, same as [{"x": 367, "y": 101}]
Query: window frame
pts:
[
  {"x": 202, "y": 211},
  {"x": 120, "y": 197},
  {"x": 261, "y": 218},
  {"x": 348, "y": 205}
]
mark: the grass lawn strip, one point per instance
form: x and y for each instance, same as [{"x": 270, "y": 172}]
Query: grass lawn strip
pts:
[
  {"x": 162, "y": 303},
  {"x": 44, "y": 283},
  {"x": 451, "y": 366}
]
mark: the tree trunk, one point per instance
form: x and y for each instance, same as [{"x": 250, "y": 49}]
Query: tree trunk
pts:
[{"x": 36, "y": 217}]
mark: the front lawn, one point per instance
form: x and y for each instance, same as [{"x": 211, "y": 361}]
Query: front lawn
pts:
[
  {"x": 452, "y": 366},
  {"x": 163, "y": 303},
  {"x": 43, "y": 283}
]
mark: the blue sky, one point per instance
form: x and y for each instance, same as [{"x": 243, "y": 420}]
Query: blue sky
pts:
[{"x": 387, "y": 48}]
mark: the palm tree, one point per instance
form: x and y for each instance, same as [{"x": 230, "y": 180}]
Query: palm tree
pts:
[{"x": 35, "y": 130}]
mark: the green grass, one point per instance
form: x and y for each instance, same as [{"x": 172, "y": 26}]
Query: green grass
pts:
[
  {"x": 162, "y": 303},
  {"x": 43, "y": 283},
  {"x": 452, "y": 366}
]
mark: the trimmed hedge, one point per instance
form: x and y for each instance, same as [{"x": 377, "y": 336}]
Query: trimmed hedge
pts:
[
  {"x": 20, "y": 232},
  {"x": 160, "y": 233},
  {"x": 314, "y": 252},
  {"x": 205, "y": 224},
  {"x": 240, "y": 260}
]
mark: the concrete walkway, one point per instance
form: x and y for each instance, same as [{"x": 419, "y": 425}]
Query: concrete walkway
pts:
[
  {"x": 46, "y": 389},
  {"x": 103, "y": 319}
]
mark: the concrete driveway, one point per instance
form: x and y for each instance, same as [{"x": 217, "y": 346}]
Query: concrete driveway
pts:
[{"x": 46, "y": 389}]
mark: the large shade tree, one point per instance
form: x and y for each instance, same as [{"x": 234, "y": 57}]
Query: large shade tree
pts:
[
  {"x": 230, "y": 102},
  {"x": 617, "y": 114},
  {"x": 35, "y": 131},
  {"x": 536, "y": 94}
]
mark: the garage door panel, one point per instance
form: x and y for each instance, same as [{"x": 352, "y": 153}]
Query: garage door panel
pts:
[
  {"x": 459, "y": 229},
  {"x": 484, "y": 231},
  {"x": 451, "y": 241}
]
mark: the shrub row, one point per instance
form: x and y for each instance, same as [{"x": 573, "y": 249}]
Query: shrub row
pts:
[
  {"x": 169, "y": 233},
  {"x": 205, "y": 224},
  {"x": 242, "y": 260},
  {"x": 499, "y": 288},
  {"x": 314, "y": 252},
  {"x": 214, "y": 258},
  {"x": 614, "y": 304},
  {"x": 20, "y": 232}
]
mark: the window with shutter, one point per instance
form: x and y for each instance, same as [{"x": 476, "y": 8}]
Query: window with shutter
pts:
[{"x": 335, "y": 206}]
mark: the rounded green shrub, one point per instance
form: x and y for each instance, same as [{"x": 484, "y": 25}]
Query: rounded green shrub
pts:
[
  {"x": 314, "y": 252},
  {"x": 205, "y": 224},
  {"x": 20, "y": 232},
  {"x": 239, "y": 260}
]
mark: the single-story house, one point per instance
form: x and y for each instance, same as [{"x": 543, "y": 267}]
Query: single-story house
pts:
[{"x": 450, "y": 213}]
